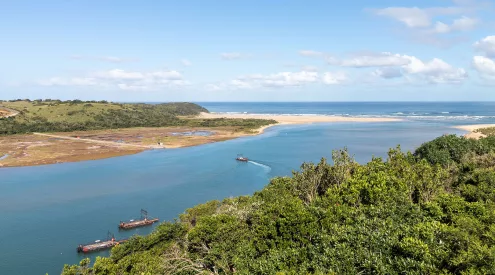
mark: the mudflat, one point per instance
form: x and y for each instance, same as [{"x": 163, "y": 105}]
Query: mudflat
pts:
[{"x": 50, "y": 148}]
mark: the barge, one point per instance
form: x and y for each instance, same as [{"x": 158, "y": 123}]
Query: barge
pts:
[
  {"x": 144, "y": 221},
  {"x": 100, "y": 245}
]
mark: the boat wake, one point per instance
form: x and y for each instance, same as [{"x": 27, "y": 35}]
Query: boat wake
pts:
[{"x": 266, "y": 167}]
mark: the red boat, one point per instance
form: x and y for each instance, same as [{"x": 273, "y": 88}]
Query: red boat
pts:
[
  {"x": 99, "y": 245},
  {"x": 142, "y": 222},
  {"x": 241, "y": 158}
]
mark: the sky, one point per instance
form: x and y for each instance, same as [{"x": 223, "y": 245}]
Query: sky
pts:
[{"x": 256, "y": 50}]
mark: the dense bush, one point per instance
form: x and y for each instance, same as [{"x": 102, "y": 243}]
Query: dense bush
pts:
[{"x": 431, "y": 212}]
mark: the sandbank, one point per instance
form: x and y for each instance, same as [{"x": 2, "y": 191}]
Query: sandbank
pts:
[
  {"x": 472, "y": 130},
  {"x": 298, "y": 119}
]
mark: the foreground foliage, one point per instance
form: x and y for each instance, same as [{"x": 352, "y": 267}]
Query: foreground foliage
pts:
[
  {"x": 431, "y": 212},
  {"x": 76, "y": 115}
]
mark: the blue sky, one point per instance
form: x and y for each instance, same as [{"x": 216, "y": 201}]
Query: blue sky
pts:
[{"x": 253, "y": 50}]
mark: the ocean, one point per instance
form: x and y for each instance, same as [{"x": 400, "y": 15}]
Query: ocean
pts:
[
  {"x": 449, "y": 112},
  {"x": 46, "y": 211}
]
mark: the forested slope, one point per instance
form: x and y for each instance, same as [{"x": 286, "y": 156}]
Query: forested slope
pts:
[{"x": 427, "y": 212}]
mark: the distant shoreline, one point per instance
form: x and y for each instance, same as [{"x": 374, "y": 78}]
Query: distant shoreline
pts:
[
  {"x": 471, "y": 129},
  {"x": 298, "y": 119}
]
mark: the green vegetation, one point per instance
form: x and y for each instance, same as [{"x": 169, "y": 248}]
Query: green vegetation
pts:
[
  {"x": 489, "y": 131},
  {"x": 76, "y": 115},
  {"x": 427, "y": 212}
]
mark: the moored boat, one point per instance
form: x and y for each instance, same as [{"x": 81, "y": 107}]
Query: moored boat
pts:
[
  {"x": 144, "y": 221},
  {"x": 99, "y": 245}
]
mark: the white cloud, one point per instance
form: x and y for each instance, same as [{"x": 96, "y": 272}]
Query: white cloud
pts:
[
  {"x": 288, "y": 79},
  {"x": 279, "y": 80},
  {"x": 309, "y": 68},
  {"x": 435, "y": 71},
  {"x": 484, "y": 66},
  {"x": 330, "y": 78},
  {"x": 310, "y": 53},
  {"x": 388, "y": 72},
  {"x": 75, "y": 81},
  {"x": 121, "y": 79},
  {"x": 118, "y": 74},
  {"x": 435, "y": 25},
  {"x": 486, "y": 46},
  {"x": 186, "y": 62},
  {"x": 461, "y": 24},
  {"x": 375, "y": 60},
  {"x": 232, "y": 56},
  {"x": 414, "y": 17},
  {"x": 411, "y": 17},
  {"x": 111, "y": 59}
]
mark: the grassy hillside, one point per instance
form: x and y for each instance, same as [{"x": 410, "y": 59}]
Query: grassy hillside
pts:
[
  {"x": 431, "y": 212},
  {"x": 76, "y": 115},
  {"x": 82, "y": 111}
]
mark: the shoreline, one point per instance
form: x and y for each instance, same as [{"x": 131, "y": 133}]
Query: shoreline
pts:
[
  {"x": 471, "y": 130},
  {"x": 299, "y": 119},
  {"x": 90, "y": 147}
]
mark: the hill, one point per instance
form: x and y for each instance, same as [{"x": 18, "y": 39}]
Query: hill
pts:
[
  {"x": 427, "y": 212},
  {"x": 87, "y": 130},
  {"x": 63, "y": 116},
  {"x": 76, "y": 115}
]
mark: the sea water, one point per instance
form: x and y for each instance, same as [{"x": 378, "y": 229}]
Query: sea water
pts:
[{"x": 46, "y": 211}]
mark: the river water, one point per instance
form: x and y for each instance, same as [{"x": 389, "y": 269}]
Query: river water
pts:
[{"x": 46, "y": 211}]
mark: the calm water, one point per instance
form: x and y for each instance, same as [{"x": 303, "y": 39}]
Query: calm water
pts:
[{"x": 46, "y": 211}]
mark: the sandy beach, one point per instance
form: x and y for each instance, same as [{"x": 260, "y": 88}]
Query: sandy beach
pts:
[
  {"x": 472, "y": 129},
  {"x": 295, "y": 119}
]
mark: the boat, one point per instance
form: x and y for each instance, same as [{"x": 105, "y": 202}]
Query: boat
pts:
[
  {"x": 138, "y": 223},
  {"x": 100, "y": 245},
  {"x": 241, "y": 158}
]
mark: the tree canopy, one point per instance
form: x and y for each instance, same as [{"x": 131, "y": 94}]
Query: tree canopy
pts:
[{"x": 427, "y": 212}]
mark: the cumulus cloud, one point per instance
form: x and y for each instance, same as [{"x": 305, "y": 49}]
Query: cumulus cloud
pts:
[
  {"x": 233, "y": 56},
  {"x": 74, "y": 81},
  {"x": 309, "y": 68},
  {"x": 435, "y": 25},
  {"x": 461, "y": 24},
  {"x": 414, "y": 17},
  {"x": 388, "y": 72},
  {"x": 279, "y": 80},
  {"x": 330, "y": 78},
  {"x": 484, "y": 66},
  {"x": 186, "y": 62},
  {"x": 435, "y": 71},
  {"x": 390, "y": 65},
  {"x": 283, "y": 79},
  {"x": 411, "y": 17},
  {"x": 486, "y": 46},
  {"x": 310, "y": 53},
  {"x": 121, "y": 79},
  {"x": 111, "y": 59},
  {"x": 374, "y": 60}
]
